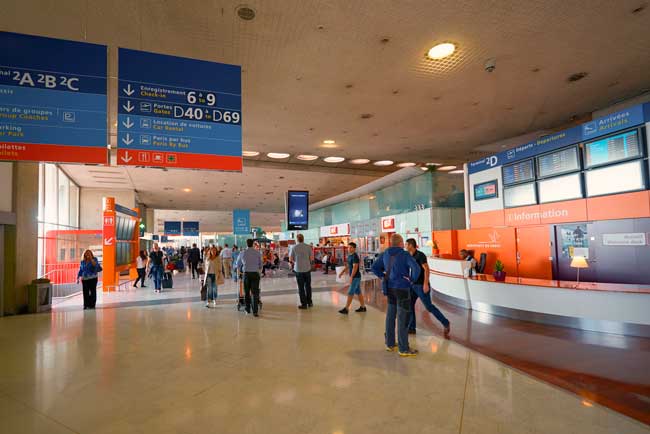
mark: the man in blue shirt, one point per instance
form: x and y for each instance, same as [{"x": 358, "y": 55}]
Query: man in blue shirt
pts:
[
  {"x": 398, "y": 270},
  {"x": 352, "y": 266},
  {"x": 251, "y": 262}
]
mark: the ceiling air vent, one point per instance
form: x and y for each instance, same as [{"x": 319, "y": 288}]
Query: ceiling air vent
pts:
[{"x": 246, "y": 13}]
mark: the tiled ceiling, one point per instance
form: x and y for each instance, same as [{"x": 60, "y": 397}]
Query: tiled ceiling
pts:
[{"x": 354, "y": 71}]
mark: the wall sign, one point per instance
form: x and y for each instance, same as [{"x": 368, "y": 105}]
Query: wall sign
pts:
[
  {"x": 599, "y": 127},
  {"x": 52, "y": 100},
  {"x": 625, "y": 239},
  {"x": 178, "y": 112},
  {"x": 486, "y": 190},
  {"x": 172, "y": 228},
  {"x": 241, "y": 221},
  {"x": 341, "y": 230},
  {"x": 388, "y": 224},
  {"x": 191, "y": 229}
]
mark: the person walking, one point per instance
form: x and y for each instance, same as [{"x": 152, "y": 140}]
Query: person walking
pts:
[
  {"x": 226, "y": 259},
  {"x": 194, "y": 257},
  {"x": 235, "y": 255},
  {"x": 213, "y": 275},
  {"x": 89, "y": 269},
  {"x": 420, "y": 290},
  {"x": 251, "y": 262},
  {"x": 156, "y": 266},
  {"x": 352, "y": 267},
  {"x": 300, "y": 257},
  {"x": 141, "y": 268},
  {"x": 398, "y": 270}
]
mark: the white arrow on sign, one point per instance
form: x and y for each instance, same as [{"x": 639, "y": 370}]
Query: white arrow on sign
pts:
[
  {"x": 125, "y": 158},
  {"x": 128, "y": 123},
  {"x": 127, "y": 140},
  {"x": 128, "y": 107},
  {"x": 108, "y": 241},
  {"x": 128, "y": 90}
]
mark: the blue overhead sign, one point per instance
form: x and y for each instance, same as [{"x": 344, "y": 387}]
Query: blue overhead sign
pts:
[
  {"x": 241, "y": 221},
  {"x": 191, "y": 229},
  {"x": 599, "y": 127},
  {"x": 172, "y": 228},
  {"x": 178, "y": 112},
  {"x": 52, "y": 100}
]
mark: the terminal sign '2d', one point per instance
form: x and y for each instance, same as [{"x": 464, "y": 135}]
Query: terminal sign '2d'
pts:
[{"x": 168, "y": 117}]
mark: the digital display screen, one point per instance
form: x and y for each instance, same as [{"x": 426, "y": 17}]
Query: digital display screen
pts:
[
  {"x": 486, "y": 190},
  {"x": 565, "y": 187},
  {"x": 615, "y": 179},
  {"x": 558, "y": 162},
  {"x": 520, "y": 195},
  {"x": 518, "y": 172},
  {"x": 614, "y": 148},
  {"x": 297, "y": 210}
]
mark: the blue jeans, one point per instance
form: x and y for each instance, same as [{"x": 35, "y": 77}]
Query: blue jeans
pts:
[
  {"x": 157, "y": 274},
  {"x": 212, "y": 286},
  {"x": 399, "y": 306},
  {"x": 418, "y": 292}
]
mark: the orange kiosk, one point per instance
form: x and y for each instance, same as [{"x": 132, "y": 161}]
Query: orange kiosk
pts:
[{"x": 119, "y": 242}]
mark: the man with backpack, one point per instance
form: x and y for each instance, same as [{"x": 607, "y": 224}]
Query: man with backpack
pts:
[{"x": 398, "y": 270}]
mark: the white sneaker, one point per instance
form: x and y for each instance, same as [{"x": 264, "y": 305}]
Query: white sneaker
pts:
[
  {"x": 207, "y": 304},
  {"x": 214, "y": 303}
]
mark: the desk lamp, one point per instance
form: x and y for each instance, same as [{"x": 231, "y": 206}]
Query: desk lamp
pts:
[{"x": 579, "y": 262}]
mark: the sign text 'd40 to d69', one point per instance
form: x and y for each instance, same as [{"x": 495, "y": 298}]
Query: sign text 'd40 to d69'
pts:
[
  {"x": 52, "y": 100},
  {"x": 178, "y": 112}
]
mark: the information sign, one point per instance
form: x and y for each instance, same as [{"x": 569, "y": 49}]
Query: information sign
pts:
[
  {"x": 241, "y": 221},
  {"x": 191, "y": 229},
  {"x": 172, "y": 228},
  {"x": 52, "y": 100},
  {"x": 178, "y": 112}
]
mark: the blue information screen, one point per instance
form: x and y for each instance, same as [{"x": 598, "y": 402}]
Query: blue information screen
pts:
[
  {"x": 191, "y": 229},
  {"x": 241, "y": 221},
  {"x": 612, "y": 149},
  {"x": 518, "y": 172},
  {"x": 558, "y": 162},
  {"x": 297, "y": 210},
  {"x": 172, "y": 228},
  {"x": 486, "y": 190},
  {"x": 178, "y": 112},
  {"x": 52, "y": 100}
]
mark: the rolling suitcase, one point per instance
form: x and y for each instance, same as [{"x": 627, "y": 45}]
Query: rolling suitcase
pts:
[{"x": 168, "y": 280}]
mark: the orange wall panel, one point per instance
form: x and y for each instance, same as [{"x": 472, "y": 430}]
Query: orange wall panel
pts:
[
  {"x": 522, "y": 216},
  {"x": 563, "y": 212},
  {"x": 447, "y": 243},
  {"x": 486, "y": 219},
  {"x": 619, "y": 206},
  {"x": 498, "y": 243},
  {"x": 534, "y": 247}
]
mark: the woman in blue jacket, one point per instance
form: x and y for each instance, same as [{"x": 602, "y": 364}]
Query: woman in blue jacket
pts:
[{"x": 88, "y": 271}]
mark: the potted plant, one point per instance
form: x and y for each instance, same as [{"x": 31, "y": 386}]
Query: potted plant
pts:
[
  {"x": 499, "y": 274},
  {"x": 434, "y": 249}
]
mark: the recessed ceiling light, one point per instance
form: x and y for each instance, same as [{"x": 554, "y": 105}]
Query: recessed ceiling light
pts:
[
  {"x": 329, "y": 142},
  {"x": 457, "y": 172},
  {"x": 406, "y": 165},
  {"x": 424, "y": 169},
  {"x": 434, "y": 164},
  {"x": 278, "y": 155},
  {"x": 333, "y": 159},
  {"x": 383, "y": 163},
  {"x": 445, "y": 168},
  {"x": 250, "y": 153},
  {"x": 441, "y": 51},
  {"x": 187, "y": 190},
  {"x": 359, "y": 161},
  {"x": 307, "y": 157}
]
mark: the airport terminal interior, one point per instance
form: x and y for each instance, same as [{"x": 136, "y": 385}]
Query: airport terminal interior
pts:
[{"x": 324, "y": 216}]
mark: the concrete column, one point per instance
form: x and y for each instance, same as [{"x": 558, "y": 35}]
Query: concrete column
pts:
[{"x": 21, "y": 240}]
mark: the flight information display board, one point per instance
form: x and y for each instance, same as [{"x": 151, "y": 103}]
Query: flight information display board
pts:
[
  {"x": 297, "y": 210},
  {"x": 558, "y": 163},
  {"x": 518, "y": 172},
  {"x": 486, "y": 190},
  {"x": 611, "y": 149}
]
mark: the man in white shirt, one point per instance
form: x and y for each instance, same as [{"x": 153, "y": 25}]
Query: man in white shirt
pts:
[{"x": 226, "y": 257}]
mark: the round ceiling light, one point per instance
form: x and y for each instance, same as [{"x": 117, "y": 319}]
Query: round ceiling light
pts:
[
  {"x": 187, "y": 190},
  {"x": 278, "y": 155},
  {"x": 360, "y": 161},
  {"x": 446, "y": 168},
  {"x": 307, "y": 157},
  {"x": 406, "y": 165},
  {"x": 457, "y": 172},
  {"x": 383, "y": 163},
  {"x": 424, "y": 169},
  {"x": 250, "y": 153},
  {"x": 433, "y": 164},
  {"x": 329, "y": 142},
  {"x": 441, "y": 51},
  {"x": 333, "y": 159}
]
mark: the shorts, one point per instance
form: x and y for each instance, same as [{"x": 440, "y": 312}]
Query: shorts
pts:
[{"x": 355, "y": 286}]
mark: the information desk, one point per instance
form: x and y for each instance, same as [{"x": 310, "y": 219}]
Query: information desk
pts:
[{"x": 603, "y": 307}]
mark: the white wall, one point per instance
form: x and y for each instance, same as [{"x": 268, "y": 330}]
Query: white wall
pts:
[
  {"x": 6, "y": 186},
  {"x": 487, "y": 204},
  {"x": 90, "y": 205}
]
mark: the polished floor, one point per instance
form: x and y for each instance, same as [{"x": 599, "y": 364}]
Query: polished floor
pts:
[{"x": 182, "y": 368}]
